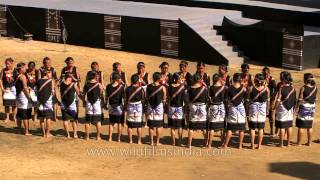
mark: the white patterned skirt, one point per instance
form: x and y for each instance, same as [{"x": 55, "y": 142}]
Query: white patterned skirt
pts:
[
  {"x": 134, "y": 115},
  {"x": 155, "y": 116},
  {"x": 257, "y": 115},
  {"x": 175, "y": 117},
  {"x": 94, "y": 111},
  {"x": 216, "y": 117},
  {"x": 9, "y": 96},
  {"x": 33, "y": 97},
  {"x": 236, "y": 118},
  {"x": 306, "y": 115},
  {"x": 198, "y": 116},
  {"x": 46, "y": 110},
  {"x": 24, "y": 107},
  {"x": 70, "y": 112},
  {"x": 284, "y": 117}
]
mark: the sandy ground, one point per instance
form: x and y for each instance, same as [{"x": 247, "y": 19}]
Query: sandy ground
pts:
[{"x": 34, "y": 157}]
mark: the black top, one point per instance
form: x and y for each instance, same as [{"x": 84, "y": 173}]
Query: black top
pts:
[
  {"x": 176, "y": 101},
  {"x": 155, "y": 100},
  {"x": 32, "y": 78},
  {"x": 261, "y": 98},
  {"x": 45, "y": 92},
  {"x": 143, "y": 80},
  {"x": 8, "y": 77},
  {"x": 122, "y": 75},
  {"x": 73, "y": 71},
  {"x": 139, "y": 96},
  {"x": 290, "y": 102},
  {"x": 53, "y": 72},
  {"x": 99, "y": 75},
  {"x": 117, "y": 98},
  {"x": 232, "y": 92},
  {"x": 203, "y": 98},
  {"x": 306, "y": 93},
  {"x": 246, "y": 80},
  {"x": 69, "y": 97},
  {"x": 94, "y": 94},
  {"x": 217, "y": 98},
  {"x": 19, "y": 86},
  {"x": 272, "y": 85},
  {"x": 188, "y": 78}
]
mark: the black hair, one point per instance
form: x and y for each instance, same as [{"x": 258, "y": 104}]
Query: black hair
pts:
[
  {"x": 164, "y": 64},
  {"x": 9, "y": 59},
  {"x": 140, "y": 64},
  {"x": 175, "y": 77},
  {"x": 259, "y": 79},
  {"x": 92, "y": 75},
  {"x": 309, "y": 79},
  {"x": 183, "y": 63},
  {"x": 94, "y": 63},
  {"x": 115, "y": 76},
  {"x": 215, "y": 78},
  {"x": 266, "y": 68},
  {"x": 45, "y": 59},
  {"x": 196, "y": 77},
  {"x": 134, "y": 79},
  {"x": 68, "y": 59},
  {"x": 20, "y": 65},
  {"x": 281, "y": 75},
  {"x": 32, "y": 63},
  {"x": 223, "y": 67},
  {"x": 156, "y": 76},
  {"x": 201, "y": 64},
  {"x": 245, "y": 66},
  {"x": 115, "y": 65},
  {"x": 287, "y": 78},
  {"x": 237, "y": 77}
]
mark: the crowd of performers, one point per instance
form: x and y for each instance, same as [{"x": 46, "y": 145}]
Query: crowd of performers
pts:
[{"x": 228, "y": 105}]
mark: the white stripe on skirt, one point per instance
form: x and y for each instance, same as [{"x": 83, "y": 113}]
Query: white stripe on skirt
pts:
[
  {"x": 258, "y": 112},
  {"x": 198, "y": 112},
  {"x": 11, "y": 94},
  {"x": 282, "y": 114},
  {"x": 155, "y": 113},
  {"x": 23, "y": 101},
  {"x": 135, "y": 112},
  {"x": 236, "y": 114},
  {"x": 306, "y": 111},
  {"x": 175, "y": 112},
  {"x": 216, "y": 113},
  {"x": 93, "y": 109}
]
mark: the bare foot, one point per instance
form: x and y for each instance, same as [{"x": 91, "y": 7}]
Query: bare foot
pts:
[
  {"x": 110, "y": 139},
  {"x": 158, "y": 144},
  {"x": 75, "y": 137},
  {"x": 139, "y": 142},
  {"x": 98, "y": 138},
  {"x": 119, "y": 140},
  {"x": 44, "y": 135},
  {"x": 27, "y": 134},
  {"x": 48, "y": 135},
  {"x": 130, "y": 142},
  {"x": 87, "y": 138},
  {"x": 252, "y": 147},
  {"x": 259, "y": 147},
  {"x": 240, "y": 147},
  {"x": 6, "y": 121},
  {"x": 68, "y": 136}
]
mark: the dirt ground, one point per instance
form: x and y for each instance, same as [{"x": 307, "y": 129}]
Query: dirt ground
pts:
[{"x": 34, "y": 157}]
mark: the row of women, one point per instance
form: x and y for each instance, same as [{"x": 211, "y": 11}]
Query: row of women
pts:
[{"x": 191, "y": 101}]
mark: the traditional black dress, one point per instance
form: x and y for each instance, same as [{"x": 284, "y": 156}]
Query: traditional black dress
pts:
[
  {"x": 115, "y": 96},
  {"x": 135, "y": 96},
  {"x": 99, "y": 75},
  {"x": 155, "y": 106},
  {"x": 73, "y": 72},
  {"x": 122, "y": 75},
  {"x": 307, "y": 107},
  {"x": 176, "y": 103},
  {"x": 198, "y": 107},
  {"x": 32, "y": 77},
  {"x": 258, "y": 108},
  {"x": 45, "y": 105},
  {"x": 236, "y": 118},
  {"x": 217, "y": 112},
  {"x": 8, "y": 79},
  {"x": 53, "y": 72},
  {"x": 68, "y": 102},
  {"x": 285, "y": 111},
  {"x": 94, "y": 111},
  {"x": 23, "y": 103}
]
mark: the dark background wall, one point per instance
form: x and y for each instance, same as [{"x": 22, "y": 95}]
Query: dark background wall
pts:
[
  {"x": 31, "y": 19},
  {"x": 141, "y": 35},
  {"x": 311, "y": 53},
  {"x": 86, "y": 29},
  {"x": 193, "y": 47}
]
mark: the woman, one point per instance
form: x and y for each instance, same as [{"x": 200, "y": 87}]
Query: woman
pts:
[
  {"x": 8, "y": 76},
  {"x": 156, "y": 95},
  {"x": 259, "y": 97},
  {"x": 143, "y": 75},
  {"x": 114, "y": 97},
  {"x": 176, "y": 95},
  {"x": 69, "y": 91},
  {"x": 272, "y": 85},
  {"x": 45, "y": 90},
  {"x": 223, "y": 73},
  {"x": 186, "y": 77},
  {"x": 217, "y": 112},
  {"x": 23, "y": 99},
  {"x": 92, "y": 93},
  {"x": 236, "y": 118},
  {"x": 205, "y": 79},
  {"x": 32, "y": 76},
  {"x": 117, "y": 69},
  {"x": 135, "y": 96},
  {"x": 284, "y": 107},
  {"x": 246, "y": 78},
  {"x": 95, "y": 68},
  {"x": 165, "y": 75},
  {"x": 305, "y": 108},
  {"x": 198, "y": 98}
]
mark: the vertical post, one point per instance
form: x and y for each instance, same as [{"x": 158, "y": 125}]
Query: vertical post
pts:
[
  {"x": 112, "y": 32},
  {"x": 169, "y": 35},
  {"x": 3, "y": 20},
  {"x": 53, "y": 27},
  {"x": 292, "y": 52}
]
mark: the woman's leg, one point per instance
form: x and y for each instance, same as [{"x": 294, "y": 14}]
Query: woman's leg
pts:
[
  {"x": 253, "y": 136},
  {"x": 111, "y": 131},
  {"x": 87, "y": 129},
  {"x": 130, "y": 135},
  {"x": 289, "y": 133},
  {"x": 241, "y": 136},
  {"x": 260, "y": 138},
  {"x": 98, "y": 127},
  {"x": 180, "y": 134},
  {"x": 151, "y": 135},
  {"x": 190, "y": 136},
  {"x": 75, "y": 128},
  {"x": 210, "y": 138},
  {"x": 139, "y": 132},
  {"x": 26, "y": 127},
  {"x": 14, "y": 114},
  {"x": 300, "y": 135},
  {"x": 119, "y": 132},
  {"x": 66, "y": 128},
  {"x": 7, "y": 112},
  {"x": 158, "y": 135},
  {"x": 48, "y": 128},
  {"x": 282, "y": 131},
  {"x": 173, "y": 137},
  {"x": 43, "y": 128},
  {"x": 309, "y": 131},
  {"x": 227, "y": 139}
]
